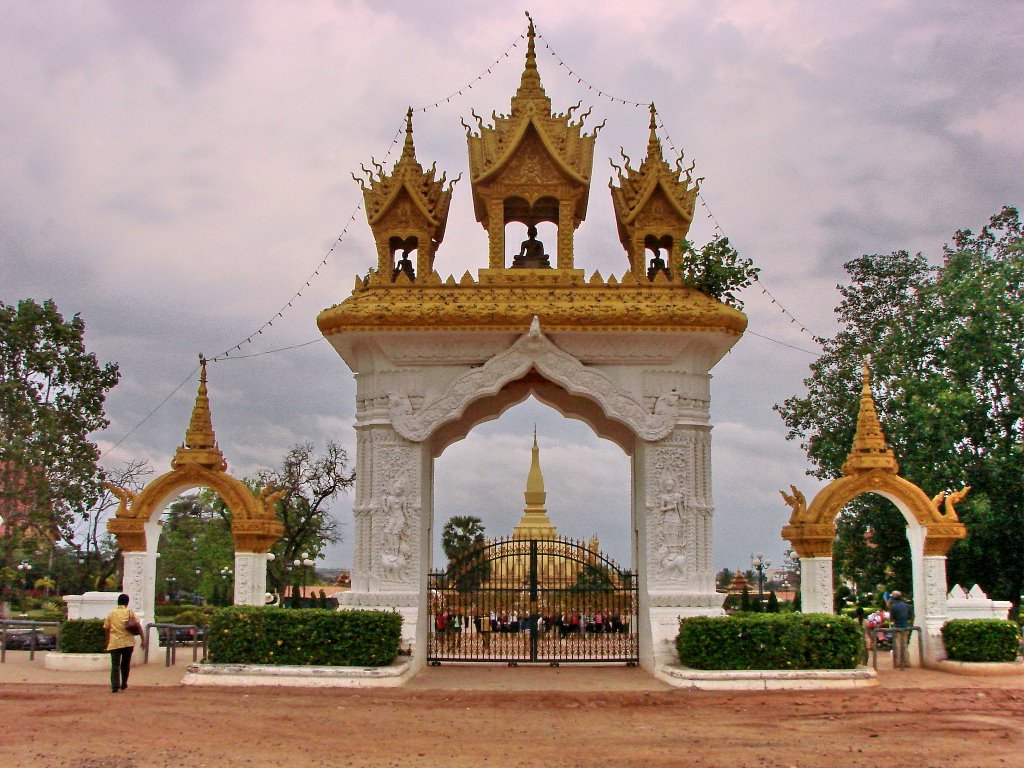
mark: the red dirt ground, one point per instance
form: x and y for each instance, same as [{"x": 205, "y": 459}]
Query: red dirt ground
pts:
[{"x": 454, "y": 717}]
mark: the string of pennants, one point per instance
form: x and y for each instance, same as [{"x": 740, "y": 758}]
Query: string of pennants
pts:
[{"x": 239, "y": 350}]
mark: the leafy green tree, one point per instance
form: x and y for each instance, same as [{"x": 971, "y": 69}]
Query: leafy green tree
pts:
[
  {"x": 462, "y": 539},
  {"x": 195, "y": 544},
  {"x": 773, "y": 602},
  {"x": 312, "y": 483},
  {"x": 593, "y": 578},
  {"x": 52, "y": 393},
  {"x": 947, "y": 346},
  {"x": 724, "y": 578},
  {"x": 717, "y": 270}
]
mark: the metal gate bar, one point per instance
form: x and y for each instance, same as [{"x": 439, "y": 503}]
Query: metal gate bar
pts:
[{"x": 520, "y": 601}]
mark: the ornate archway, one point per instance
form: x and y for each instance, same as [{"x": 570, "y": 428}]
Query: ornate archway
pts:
[
  {"x": 932, "y": 524},
  {"x": 197, "y": 463},
  {"x": 630, "y": 356}
]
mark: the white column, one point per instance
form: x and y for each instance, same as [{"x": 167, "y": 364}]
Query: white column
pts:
[
  {"x": 932, "y": 614},
  {"x": 138, "y": 583},
  {"x": 250, "y": 578},
  {"x": 816, "y": 584}
]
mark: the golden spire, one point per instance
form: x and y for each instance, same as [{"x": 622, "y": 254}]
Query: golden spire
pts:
[
  {"x": 653, "y": 142},
  {"x": 870, "y": 450},
  {"x": 409, "y": 149},
  {"x": 529, "y": 84},
  {"x": 534, "y": 523},
  {"x": 200, "y": 446},
  {"x": 535, "y": 494}
]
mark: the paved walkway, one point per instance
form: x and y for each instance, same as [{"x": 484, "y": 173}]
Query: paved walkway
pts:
[{"x": 483, "y": 677}]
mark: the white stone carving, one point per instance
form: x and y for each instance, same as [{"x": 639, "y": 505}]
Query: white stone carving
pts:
[
  {"x": 532, "y": 350},
  {"x": 133, "y": 582},
  {"x": 671, "y": 528},
  {"x": 395, "y": 546},
  {"x": 250, "y": 578},
  {"x": 816, "y": 585}
]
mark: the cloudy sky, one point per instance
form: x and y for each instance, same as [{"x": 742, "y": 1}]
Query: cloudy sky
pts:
[{"x": 176, "y": 172}]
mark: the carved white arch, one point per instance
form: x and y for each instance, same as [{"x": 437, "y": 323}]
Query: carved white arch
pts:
[{"x": 532, "y": 350}]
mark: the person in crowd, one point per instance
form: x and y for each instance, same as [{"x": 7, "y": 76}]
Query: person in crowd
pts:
[{"x": 902, "y": 616}]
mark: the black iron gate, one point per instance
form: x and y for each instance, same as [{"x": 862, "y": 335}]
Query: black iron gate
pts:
[{"x": 533, "y": 600}]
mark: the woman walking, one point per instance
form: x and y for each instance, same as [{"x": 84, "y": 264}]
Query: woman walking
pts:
[{"x": 118, "y": 628}]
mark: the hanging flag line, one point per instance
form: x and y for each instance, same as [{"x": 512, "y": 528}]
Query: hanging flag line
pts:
[
  {"x": 580, "y": 80},
  {"x": 468, "y": 86},
  {"x": 146, "y": 418},
  {"x": 231, "y": 352}
]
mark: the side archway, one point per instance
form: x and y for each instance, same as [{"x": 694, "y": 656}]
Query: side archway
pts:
[
  {"x": 932, "y": 525},
  {"x": 197, "y": 463}
]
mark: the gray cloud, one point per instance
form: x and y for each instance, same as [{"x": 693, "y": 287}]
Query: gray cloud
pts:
[{"x": 175, "y": 172}]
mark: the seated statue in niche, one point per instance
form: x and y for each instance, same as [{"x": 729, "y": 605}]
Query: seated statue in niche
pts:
[
  {"x": 657, "y": 265},
  {"x": 531, "y": 253},
  {"x": 404, "y": 265}
]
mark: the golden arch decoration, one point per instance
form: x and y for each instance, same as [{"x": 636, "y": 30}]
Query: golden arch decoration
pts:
[
  {"x": 871, "y": 467},
  {"x": 254, "y": 525},
  {"x": 812, "y": 529},
  {"x": 199, "y": 463}
]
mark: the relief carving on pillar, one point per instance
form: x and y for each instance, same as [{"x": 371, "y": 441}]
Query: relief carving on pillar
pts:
[
  {"x": 934, "y": 587},
  {"x": 243, "y": 579},
  {"x": 672, "y": 531},
  {"x": 395, "y": 510},
  {"x": 134, "y": 581}
]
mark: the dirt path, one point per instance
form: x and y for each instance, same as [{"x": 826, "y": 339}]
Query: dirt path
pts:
[{"x": 950, "y": 722}]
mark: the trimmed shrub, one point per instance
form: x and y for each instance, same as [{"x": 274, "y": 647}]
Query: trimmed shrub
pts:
[
  {"x": 192, "y": 616},
  {"x": 303, "y": 636},
  {"x": 994, "y": 640},
  {"x": 770, "y": 641},
  {"x": 82, "y": 636}
]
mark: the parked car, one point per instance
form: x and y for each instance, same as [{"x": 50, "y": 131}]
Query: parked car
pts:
[{"x": 21, "y": 640}]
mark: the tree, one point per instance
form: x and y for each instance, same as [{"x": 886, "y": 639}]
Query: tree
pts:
[
  {"x": 461, "y": 538},
  {"x": 717, "y": 270},
  {"x": 195, "y": 544},
  {"x": 947, "y": 347},
  {"x": 723, "y": 579},
  {"x": 312, "y": 483},
  {"x": 52, "y": 393},
  {"x": 593, "y": 578}
]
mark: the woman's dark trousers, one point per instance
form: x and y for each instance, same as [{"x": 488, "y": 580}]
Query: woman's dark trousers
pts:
[{"x": 120, "y": 664}]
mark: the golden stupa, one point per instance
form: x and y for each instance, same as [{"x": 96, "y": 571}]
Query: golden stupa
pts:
[{"x": 511, "y": 566}]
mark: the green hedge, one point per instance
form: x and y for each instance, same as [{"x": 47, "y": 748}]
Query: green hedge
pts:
[
  {"x": 192, "y": 616},
  {"x": 82, "y": 636},
  {"x": 303, "y": 636},
  {"x": 981, "y": 640},
  {"x": 770, "y": 641}
]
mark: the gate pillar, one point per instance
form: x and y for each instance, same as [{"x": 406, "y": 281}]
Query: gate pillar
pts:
[
  {"x": 392, "y": 537},
  {"x": 673, "y": 528}
]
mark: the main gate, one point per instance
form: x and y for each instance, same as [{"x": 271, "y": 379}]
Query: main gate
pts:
[{"x": 533, "y": 600}]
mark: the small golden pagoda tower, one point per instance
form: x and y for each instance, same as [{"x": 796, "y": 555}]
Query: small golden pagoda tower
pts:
[
  {"x": 531, "y": 166},
  {"x": 407, "y": 211},
  {"x": 870, "y": 449},
  {"x": 200, "y": 446},
  {"x": 653, "y": 207},
  {"x": 535, "y": 523}
]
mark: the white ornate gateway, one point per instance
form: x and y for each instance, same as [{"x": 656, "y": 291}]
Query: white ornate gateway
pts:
[{"x": 630, "y": 356}]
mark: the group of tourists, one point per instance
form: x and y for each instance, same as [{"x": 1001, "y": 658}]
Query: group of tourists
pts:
[
  {"x": 506, "y": 622},
  {"x": 891, "y": 627}
]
